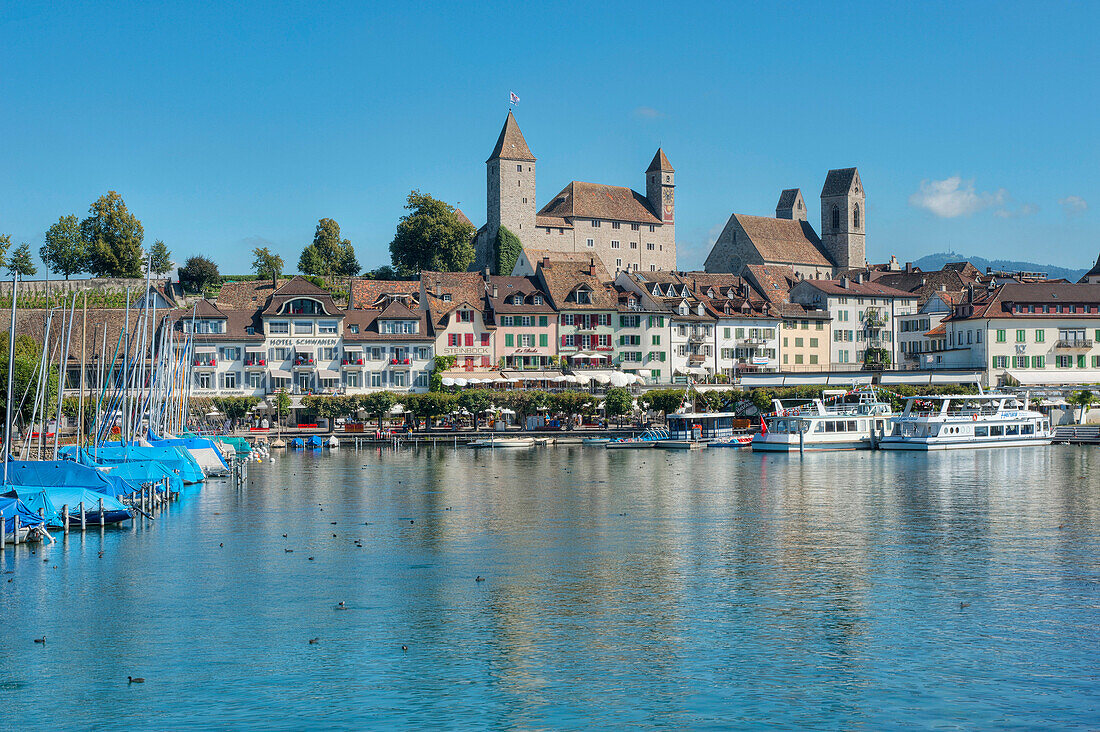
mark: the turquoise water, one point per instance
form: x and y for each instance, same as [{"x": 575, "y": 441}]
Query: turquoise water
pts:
[{"x": 647, "y": 589}]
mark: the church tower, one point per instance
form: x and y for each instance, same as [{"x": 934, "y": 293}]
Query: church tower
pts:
[
  {"x": 791, "y": 206},
  {"x": 510, "y": 178},
  {"x": 843, "y": 219},
  {"x": 660, "y": 185}
]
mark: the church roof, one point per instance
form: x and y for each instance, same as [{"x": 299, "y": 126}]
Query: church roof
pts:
[
  {"x": 838, "y": 182},
  {"x": 597, "y": 201},
  {"x": 1094, "y": 272},
  {"x": 788, "y": 241},
  {"x": 787, "y": 198},
  {"x": 511, "y": 145},
  {"x": 660, "y": 162}
]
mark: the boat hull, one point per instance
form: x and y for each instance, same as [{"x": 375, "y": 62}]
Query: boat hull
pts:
[
  {"x": 787, "y": 446},
  {"x": 930, "y": 445}
]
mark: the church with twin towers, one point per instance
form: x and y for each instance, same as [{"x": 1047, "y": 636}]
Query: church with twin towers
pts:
[
  {"x": 623, "y": 229},
  {"x": 629, "y": 231}
]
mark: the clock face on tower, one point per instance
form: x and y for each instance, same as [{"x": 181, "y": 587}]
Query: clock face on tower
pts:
[{"x": 668, "y": 205}]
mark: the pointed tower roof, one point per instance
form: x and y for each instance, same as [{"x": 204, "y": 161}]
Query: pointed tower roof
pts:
[
  {"x": 788, "y": 197},
  {"x": 511, "y": 145},
  {"x": 660, "y": 162},
  {"x": 838, "y": 182},
  {"x": 1094, "y": 272}
]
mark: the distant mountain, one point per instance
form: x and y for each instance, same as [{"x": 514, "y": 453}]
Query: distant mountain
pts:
[{"x": 936, "y": 261}]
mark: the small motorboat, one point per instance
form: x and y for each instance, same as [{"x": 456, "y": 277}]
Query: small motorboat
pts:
[
  {"x": 595, "y": 440},
  {"x": 297, "y": 443},
  {"x": 333, "y": 442},
  {"x": 314, "y": 442},
  {"x": 735, "y": 441},
  {"x": 503, "y": 442},
  {"x": 31, "y": 526}
]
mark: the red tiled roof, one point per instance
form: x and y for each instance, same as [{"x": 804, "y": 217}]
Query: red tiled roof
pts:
[{"x": 597, "y": 201}]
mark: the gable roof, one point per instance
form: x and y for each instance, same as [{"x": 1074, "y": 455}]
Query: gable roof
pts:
[
  {"x": 462, "y": 287},
  {"x": 206, "y": 309},
  {"x": 511, "y": 145},
  {"x": 857, "y": 289},
  {"x": 774, "y": 283},
  {"x": 1094, "y": 272},
  {"x": 395, "y": 310},
  {"x": 789, "y": 241},
  {"x": 247, "y": 293},
  {"x": 787, "y": 198},
  {"x": 598, "y": 201},
  {"x": 298, "y": 286},
  {"x": 838, "y": 182},
  {"x": 660, "y": 162},
  {"x": 562, "y": 277}
]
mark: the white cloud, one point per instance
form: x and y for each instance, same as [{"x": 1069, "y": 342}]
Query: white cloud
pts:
[
  {"x": 953, "y": 197},
  {"x": 648, "y": 113},
  {"x": 1074, "y": 205},
  {"x": 1026, "y": 209}
]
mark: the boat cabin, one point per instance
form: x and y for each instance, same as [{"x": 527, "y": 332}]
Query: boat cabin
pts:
[{"x": 718, "y": 425}]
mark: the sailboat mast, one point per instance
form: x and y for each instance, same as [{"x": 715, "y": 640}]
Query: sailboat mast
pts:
[
  {"x": 62, "y": 374},
  {"x": 83, "y": 368},
  {"x": 11, "y": 372}
]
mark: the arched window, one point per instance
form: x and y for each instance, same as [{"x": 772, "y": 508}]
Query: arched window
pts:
[
  {"x": 856, "y": 219},
  {"x": 836, "y": 217}
]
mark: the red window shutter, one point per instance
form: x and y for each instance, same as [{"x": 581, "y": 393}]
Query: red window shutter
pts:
[
  {"x": 563, "y": 340},
  {"x": 469, "y": 339},
  {"x": 484, "y": 339},
  {"x": 485, "y": 361}
]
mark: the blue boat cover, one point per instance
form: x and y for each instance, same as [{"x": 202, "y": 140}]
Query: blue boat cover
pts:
[
  {"x": 66, "y": 473},
  {"x": 10, "y": 505},
  {"x": 315, "y": 441},
  {"x": 190, "y": 443},
  {"x": 176, "y": 459},
  {"x": 51, "y": 499},
  {"x": 297, "y": 442}
]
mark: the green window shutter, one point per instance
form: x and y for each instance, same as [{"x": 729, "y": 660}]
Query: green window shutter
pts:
[
  {"x": 726, "y": 335},
  {"x": 1081, "y": 361},
  {"x": 1038, "y": 362},
  {"x": 542, "y": 338},
  {"x": 509, "y": 340},
  {"x": 662, "y": 355},
  {"x": 1040, "y": 335},
  {"x": 1000, "y": 337},
  {"x": 1021, "y": 336},
  {"x": 1095, "y": 361},
  {"x": 542, "y": 321}
]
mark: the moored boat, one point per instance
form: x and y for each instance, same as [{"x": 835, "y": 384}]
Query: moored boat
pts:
[
  {"x": 848, "y": 421},
  {"x": 963, "y": 421}
]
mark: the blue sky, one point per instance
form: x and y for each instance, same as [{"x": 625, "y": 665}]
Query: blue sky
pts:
[{"x": 231, "y": 125}]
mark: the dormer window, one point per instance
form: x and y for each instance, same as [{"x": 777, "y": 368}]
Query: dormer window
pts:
[
  {"x": 536, "y": 299},
  {"x": 302, "y": 306},
  {"x": 446, "y": 297},
  {"x": 582, "y": 296},
  {"x": 464, "y": 316},
  {"x": 517, "y": 299}
]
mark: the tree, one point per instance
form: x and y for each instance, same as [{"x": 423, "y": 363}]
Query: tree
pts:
[
  {"x": 377, "y": 403},
  {"x": 570, "y": 403},
  {"x": 475, "y": 401},
  {"x": 198, "y": 273},
  {"x": 439, "y": 365},
  {"x": 617, "y": 402},
  {"x": 506, "y": 250},
  {"x": 282, "y": 404},
  {"x": 431, "y": 237},
  {"x": 235, "y": 407},
  {"x": 64, "y": 250},
  {"x": 5, "y": 242},
  {"x": 385, "y": 272},
  {"x": 112, "y": 238},
  {"x": 20, "y": 261},
  {"x": 431, "y": 404},
  {"x": 160, "y": 259},
  {"x": 329, "y": 255},
  {"x": 266, "y": 264},
  {"x": 329, "y": 407},
  {"x": 664, "y": 400},
  {"x": 1083, "y": 399}
]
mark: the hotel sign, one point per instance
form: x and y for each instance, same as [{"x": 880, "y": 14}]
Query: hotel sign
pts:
[{"x": 302, "y": 341}]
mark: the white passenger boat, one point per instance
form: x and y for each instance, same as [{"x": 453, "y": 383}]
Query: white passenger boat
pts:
[
  {"x": 847, "y": 422},
  {"x": 503, "y": 442},
  {"x": 961, "y": 421}
]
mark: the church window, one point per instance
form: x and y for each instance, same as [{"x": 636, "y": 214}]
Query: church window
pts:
[
  {"x": 525, "y": 200},
  {"x": 652, "y": 268},
  {"x": 836, "y": 217},
  {"x": 856, "y": 214}
]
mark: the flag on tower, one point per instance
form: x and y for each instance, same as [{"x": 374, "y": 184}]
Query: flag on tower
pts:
[{"x": 513, "y": 98}]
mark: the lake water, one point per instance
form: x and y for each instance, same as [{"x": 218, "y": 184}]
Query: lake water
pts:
[{"x": 642, "y": 589}]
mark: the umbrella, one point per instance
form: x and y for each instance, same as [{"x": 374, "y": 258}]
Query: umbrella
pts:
[
  {"x": 579, "y": 357},
  {"x": 570, "y": 378},
  {"x": 601, "y": 378},
  {"x": 620, "y": 379},
  {"x": 448, "y": 381},
  {"x": 582, "y": 378},
  {"x": 461, "y": 381},
  {"x": 560, "y": 379},
  {"x": 397, "y": 409}
]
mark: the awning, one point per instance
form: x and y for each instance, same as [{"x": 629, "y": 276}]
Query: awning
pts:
[
  {"x": 353, "y": 348},
  {"x": 206, "y": 349},
  {"x": 1073, "y": 377},
  {"x": 328, "y": 374},
  {"x": 254, "y": 349},
  {"x": 279, "y": 374},
  {"x": 849, "y": 380},
  {"x": 302, "y": 349}
]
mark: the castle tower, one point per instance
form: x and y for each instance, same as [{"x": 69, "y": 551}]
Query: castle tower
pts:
[
  {"x": 660, "y": 185},
  {"x": 791, "y": 205},
  {"x": 843, "y": 219},
  {"x": 510, "y": 177}
]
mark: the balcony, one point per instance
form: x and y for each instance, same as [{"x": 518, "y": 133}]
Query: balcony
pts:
[
  {"x": 351, "y": 362},
  {"x": 254, "y": 363},
  {"x": 400, "y": 362},
  {"x": 753, "y": 341},
  {"x": 875, "y": 318},
  {"x": 305, "y": 362},
  {"x": 1074, "y": 344},
  {"x": 203, "y": 364},
  {"x": 696, "y": 358},
  {"x": 696, "y": 338}
]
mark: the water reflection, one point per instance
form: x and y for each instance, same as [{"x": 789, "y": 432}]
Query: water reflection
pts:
[{"x": 664, "y": 589}]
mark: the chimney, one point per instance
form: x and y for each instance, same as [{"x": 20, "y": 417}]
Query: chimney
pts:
[
  {"x": 970, "y": 293},
  {"x": 274, "y": 280},
  {"x": 592, "y": 267},
  {"x": 908, "y": 267},
  {"x": 487, "y": 273},
  {"x": 845, "y": 282},
  {"x": 546, "y": 261},
  {"x": 438, "y": 290},
  {"x": 859, "y": 278},
  {"x": 494, "y": 292},
  {"x": 943, "y": 288}
]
